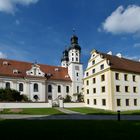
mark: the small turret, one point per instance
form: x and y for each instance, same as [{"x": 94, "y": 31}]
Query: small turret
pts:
[{"x": 65, "y": 59}]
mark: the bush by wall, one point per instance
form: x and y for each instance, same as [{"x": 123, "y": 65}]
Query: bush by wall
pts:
[{"x": 11, "y": 95}]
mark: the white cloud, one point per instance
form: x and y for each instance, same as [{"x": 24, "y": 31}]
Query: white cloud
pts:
[
  {"x": 10, "y": 6},
  {"x": 137, "y": 45},
  {"x": 132, "y": 57},
  {"x": 123, "y": 20},
  {"x": 2, "y": 55}
]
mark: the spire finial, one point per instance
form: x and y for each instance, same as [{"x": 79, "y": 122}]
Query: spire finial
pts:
[
  {"x": 35, "y": 62},
  {"x": 74, "y": 30}
]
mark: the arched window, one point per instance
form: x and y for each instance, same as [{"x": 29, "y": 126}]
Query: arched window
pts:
[
  {"x": 59, "y": 89},
  {"x": 20, "y": 87},
  {"x": 67, "y": 89},
  {"x": 49, "y": 88},
  {"x": 7, "y": 85},
  {"x": 35, "y": 87}
]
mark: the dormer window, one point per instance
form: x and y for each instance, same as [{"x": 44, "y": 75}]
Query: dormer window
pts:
[
  {"x": 15, "y": 71},
  {"x": 5, "y": 62},
  {"x": 35, "y": 71},
  {"x": 49, "y": 74},
  {"x": 66, "y": 76},
  {"x": 56, "y": 69}
]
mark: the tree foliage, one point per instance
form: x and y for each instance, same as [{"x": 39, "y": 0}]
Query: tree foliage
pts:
[
  {"x": 68, "y": 98},
  {"x": 11, "y": 95}
]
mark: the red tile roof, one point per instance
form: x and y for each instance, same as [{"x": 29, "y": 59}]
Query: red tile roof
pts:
[
  {"x": 122, "y": 64},
  {"x": 22, "y": 67}
]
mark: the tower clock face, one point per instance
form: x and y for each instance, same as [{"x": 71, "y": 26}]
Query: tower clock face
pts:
[{"x": 76, "y": 67}]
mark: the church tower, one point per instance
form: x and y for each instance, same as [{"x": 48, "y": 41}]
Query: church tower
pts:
[
  {"x": 75, "y": 68},
  {"x": 71, "y": 60}
]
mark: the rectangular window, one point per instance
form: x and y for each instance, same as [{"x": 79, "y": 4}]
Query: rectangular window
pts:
[
  {"x": 126, "y": 89},
  {"x": 87, "y": 74},
  {"x": 77, "y": 89},
  {"x": 125, "y": 77},
  {"x": 67, "y": 89},
  {"x": 127, "y": 102},
  {"x": 118, "y": 102},
  {"x": 94, "y": 101},
  {"x": 103, "y": 102},
  {"x": 102, "y": 67},
  {"x": 94, "y": 80},
  {"x": 93, "y": 62},
  {"x": 103, "y": 89},
  {"x": 134, "y": 78},
  {"x": 117, "y": 76},
  {"x": 134, "y": 89},
  {"x": 87, "y": 82},
  {"x": 76, "y": 58},
  {"x": 135, "y": 102},
  {"x": 87, "y": 91},
  {"x": 93, "y": 71},
  {"x": 87, "y": 101},
  {"x": 117, "y": 88},
  {"x": 102, "y": 77},
  {"x": 94, "y": 90}
]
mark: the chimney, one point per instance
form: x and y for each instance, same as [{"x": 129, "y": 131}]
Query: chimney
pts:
[
  {"x": 119, "y": 55},
  {"x": 110, "y": 53}
]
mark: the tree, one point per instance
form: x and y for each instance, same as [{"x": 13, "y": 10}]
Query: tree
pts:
[
  {"x": 80, "y": 98},
  {"x": 67, "y": 99},
  {"x": 11, "y": 95}
]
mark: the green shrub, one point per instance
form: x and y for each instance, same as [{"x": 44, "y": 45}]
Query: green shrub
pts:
[
  {"x": 11, "y": 95},
  {"x": 67, "y": 99}
]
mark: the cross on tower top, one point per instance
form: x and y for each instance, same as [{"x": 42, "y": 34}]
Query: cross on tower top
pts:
[{"x": 74, "y": 30}]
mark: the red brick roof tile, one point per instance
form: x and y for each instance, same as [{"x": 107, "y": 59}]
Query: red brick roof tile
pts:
[{"x": 22, "y": 67}]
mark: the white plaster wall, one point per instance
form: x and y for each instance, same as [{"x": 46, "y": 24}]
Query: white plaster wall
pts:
[
  {"x": 25, "y": 105},
  {"x": 28, "y": 87},
  {"x": 63, "y": 85},
  {"x": 76, "y": 80},
  {"x": 124, "y": 95},
  {"x": 73, "y": 105},
  {"x": 99, "y": 95}
]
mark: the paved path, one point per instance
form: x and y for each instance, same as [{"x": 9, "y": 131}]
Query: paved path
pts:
[
  {"x": 66, "y": 111},
  {"x": 70, "y": 117}
]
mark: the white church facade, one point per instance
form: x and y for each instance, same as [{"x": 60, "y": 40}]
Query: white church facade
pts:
[{"x": 44, "y": 81}]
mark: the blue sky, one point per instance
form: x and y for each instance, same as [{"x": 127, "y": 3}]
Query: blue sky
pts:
[{"x": 41, "y": 29}]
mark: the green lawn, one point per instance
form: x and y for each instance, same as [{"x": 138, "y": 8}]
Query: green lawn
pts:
[
  {"x": 92, "y": 111},
  {"x": 34, "y": 111},
  {"x": 69, "y": 129}
]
